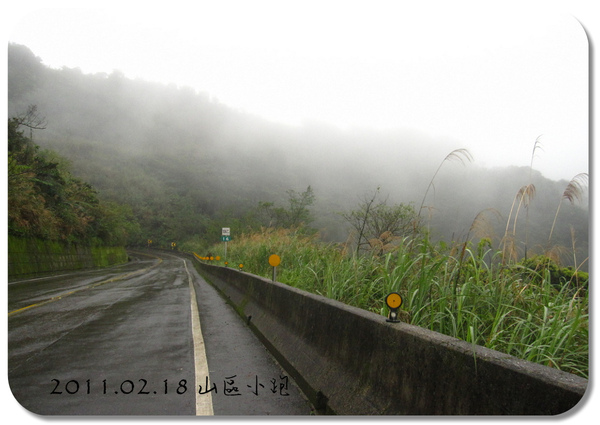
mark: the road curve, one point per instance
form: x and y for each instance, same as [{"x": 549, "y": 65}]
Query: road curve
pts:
[{"x": 147, "y": 338}]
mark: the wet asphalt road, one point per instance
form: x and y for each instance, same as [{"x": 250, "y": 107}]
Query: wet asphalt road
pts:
[{"x": 121, "y": 341}]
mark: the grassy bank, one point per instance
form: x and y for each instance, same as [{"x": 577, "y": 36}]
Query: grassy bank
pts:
[{"x": 515, "y": 310}]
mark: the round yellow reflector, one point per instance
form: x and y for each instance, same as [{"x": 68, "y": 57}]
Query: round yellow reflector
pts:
[
  {"x": 393, "y": 300},
  {"x": 274, "y": 260}
]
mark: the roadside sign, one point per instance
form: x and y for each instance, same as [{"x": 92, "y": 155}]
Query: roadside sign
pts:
[{"x": 225, "y": 237}]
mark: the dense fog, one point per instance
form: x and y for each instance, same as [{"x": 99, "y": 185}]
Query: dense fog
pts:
[{"x": 188, "y": 164}]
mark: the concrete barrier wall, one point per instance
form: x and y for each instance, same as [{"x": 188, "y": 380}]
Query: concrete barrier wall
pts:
[
  {"x": 352, "y": 362},
  {"x": 30, "y": 257}
]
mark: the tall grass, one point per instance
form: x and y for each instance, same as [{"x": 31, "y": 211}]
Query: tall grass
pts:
[
  {"x": 452, "y": 290},
  {"x": 573, "y": 192}
]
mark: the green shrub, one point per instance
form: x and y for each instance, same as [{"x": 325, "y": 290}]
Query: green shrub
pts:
[{"x": 537, "y": 267}]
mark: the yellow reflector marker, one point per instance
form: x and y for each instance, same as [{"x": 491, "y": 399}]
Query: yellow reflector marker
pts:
[
  {"x": 274, "y": 260},
  {"x": 393, "y": 300}
]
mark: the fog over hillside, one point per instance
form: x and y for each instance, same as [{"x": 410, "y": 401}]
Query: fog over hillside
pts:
[{"x": 189, "y": 164}]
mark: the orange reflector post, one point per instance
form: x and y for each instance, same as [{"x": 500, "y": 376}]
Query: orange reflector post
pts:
[
  {"x": 274, "y": 260},
  {"x": 393, "y": 301}
]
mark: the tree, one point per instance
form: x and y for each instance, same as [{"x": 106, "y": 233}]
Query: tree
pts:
[
  {"x": 31, "y": 119},
  {"x": 378, "y": 225},
  {"x": 27, "y": 210},
  {"x": 358, "y": 219},
  {"x": 298, "y": 215}
]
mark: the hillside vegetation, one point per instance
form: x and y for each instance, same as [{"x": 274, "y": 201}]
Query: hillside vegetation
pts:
[
  {"x": 45, "y": 201},
  {"x": 188, "y": 165}
]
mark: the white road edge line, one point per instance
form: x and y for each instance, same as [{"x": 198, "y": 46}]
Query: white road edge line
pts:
[{"x": 204, "y": 406}]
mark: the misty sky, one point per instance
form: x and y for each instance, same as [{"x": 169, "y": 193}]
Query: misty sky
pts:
[{"x": 484, "y": 78}]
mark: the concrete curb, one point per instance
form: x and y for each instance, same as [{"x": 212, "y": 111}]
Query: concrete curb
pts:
[{"x": 352, "y": 362}]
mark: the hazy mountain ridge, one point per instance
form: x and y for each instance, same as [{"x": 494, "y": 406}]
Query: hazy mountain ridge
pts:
[{"x": 181, "y": 159}]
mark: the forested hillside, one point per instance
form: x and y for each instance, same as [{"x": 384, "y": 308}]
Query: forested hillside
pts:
[
  {"x": 188, "y": 165},
  {"x": 45, "y": 201}
]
